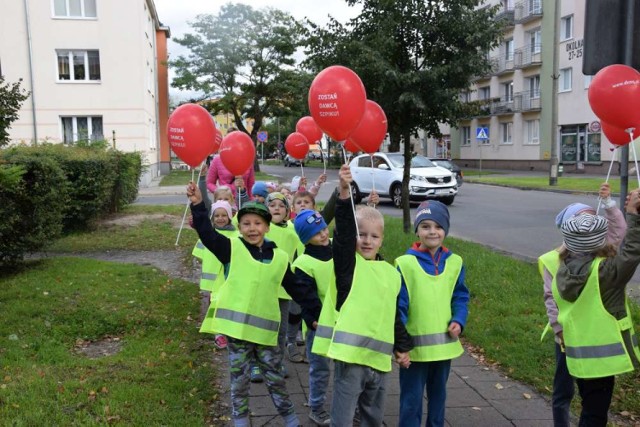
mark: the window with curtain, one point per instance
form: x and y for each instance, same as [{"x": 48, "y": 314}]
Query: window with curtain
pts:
[
  {"x": 505, "y": 131},
  {"x": 566, "y": 28},
  {"x": 534, "y": 86},
  {"x": 465, "y": 135},
  {"x": 564, "y": 84},
  {"x": 81, "y": 128},
  {"x": 532, "y": 130},
  {"x": 78, "y": 65}
]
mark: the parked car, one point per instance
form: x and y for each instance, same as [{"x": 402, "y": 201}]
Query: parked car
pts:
[
  {"x": 448, "y": 164},
  {"x": 317, "y": 155},
  {"x": 427, "y": 181},
  {"x": 291, "y": 161}
]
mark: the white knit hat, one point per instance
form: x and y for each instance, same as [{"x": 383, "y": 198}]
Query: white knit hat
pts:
[{"x": 585, "y": 233}]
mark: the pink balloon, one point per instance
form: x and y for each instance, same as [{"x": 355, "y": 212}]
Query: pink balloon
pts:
[
  {"x": 371, "y": 130},
  {"x": 614, "y": 95},
  {"x": 237, "y": 152},
  {"x": 336, "y": 101},
  {"x": 297, "y": 145},
  {"x": 191, "y": 132}
]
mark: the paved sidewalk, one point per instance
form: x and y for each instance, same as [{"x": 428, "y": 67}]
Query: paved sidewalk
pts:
[{"x": 477, "y": 396}]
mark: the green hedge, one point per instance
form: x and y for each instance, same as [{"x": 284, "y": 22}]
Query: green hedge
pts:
[{"x": 77, "y": 184}]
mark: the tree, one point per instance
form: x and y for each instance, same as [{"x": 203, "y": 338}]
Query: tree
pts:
[
  {"x": 414, "y": 58},
  {"x": 11, "y": 99},
  {"x": 242, "y": 60}
]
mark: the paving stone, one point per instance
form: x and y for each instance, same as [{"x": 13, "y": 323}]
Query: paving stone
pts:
[
  {"x": 470, "y": 373},
  {"x": 464, "y": 360},
  {"x": 484, "y": 417},
  {"x": 533, "y": 423},
  {"x": 509, "y": 390},
  {"x": 523, "y": 409},
  {"x": 464, "y": 396},
  {"x": 455, "y": 381}
]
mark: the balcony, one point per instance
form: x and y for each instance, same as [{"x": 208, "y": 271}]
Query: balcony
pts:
[
  {"x": 504, "y": 105},
  {"x": 528, "y": 10},
  {"x": 506, "y": 15},
  {"x": 527, "y": 101},
  {"x": 529, "y": 56},
  {"x": 502, "y": 64}
]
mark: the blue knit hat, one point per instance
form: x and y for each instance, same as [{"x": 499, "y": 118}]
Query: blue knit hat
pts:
[
  {"x": 435, "y": 211},
  {"x": 572, "y": 210},
  {"x": 260, "y": 189},
  {"x": 307, "y": 224}
]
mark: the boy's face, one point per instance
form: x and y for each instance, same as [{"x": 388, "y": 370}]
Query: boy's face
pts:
[
  {"x": 278, "y": 211},
  {"x": 370, "y": 241},
  {"x": 321, "y": 238},
  {"x": 253, "y": 228},
  {"x": 220, "y": 218},
  {"x": 302, "y": 203},
  {"x": 430, "y": 234},
  {"x": 258, "y": 199}
]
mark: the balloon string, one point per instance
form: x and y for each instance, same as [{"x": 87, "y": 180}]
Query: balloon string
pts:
[
  {"x": 353, "y": 205},
  {"x": 301, "y": 169},
  {"x": 186, "y": 208},
  {"x": 613, "y": 158},
  {"x": 373, "y": 179},
  {"x": 635, "y": 160}
]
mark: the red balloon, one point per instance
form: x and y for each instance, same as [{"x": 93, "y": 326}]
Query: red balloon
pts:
[
  {"x": 237, "y": 152},
  {"x": 351, "y": 146},
  {"x": 618, "y": 136},
  {"x": 217, "y": 141},
  {"x": 371, "y": 130},
  {"x": 308, "y": 127},
  {"x": 614, "y": 95},
  {"x": 336, "y": 101},
  {"x": 297, "y": 145},
  {"x": 191, "y": 133}
]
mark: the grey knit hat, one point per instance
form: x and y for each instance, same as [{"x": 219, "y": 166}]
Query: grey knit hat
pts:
[{"x": 585, "y": 233}]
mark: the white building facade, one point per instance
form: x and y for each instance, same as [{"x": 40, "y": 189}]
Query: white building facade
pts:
[{"x": 91, "y": 67}]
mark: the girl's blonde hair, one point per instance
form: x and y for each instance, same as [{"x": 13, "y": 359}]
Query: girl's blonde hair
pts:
[{"x": 226, "y": 190}]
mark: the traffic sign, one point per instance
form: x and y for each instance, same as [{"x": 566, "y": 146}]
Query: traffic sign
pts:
[
  {"x": 482, "y": 133},
  {"x": 262, "y": 136}
]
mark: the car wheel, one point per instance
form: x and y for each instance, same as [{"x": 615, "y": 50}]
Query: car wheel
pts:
[
  {"x": 396, "y": 195},
  {"x": 448, "y": 200},
  {"x": 357, "y": 196}
]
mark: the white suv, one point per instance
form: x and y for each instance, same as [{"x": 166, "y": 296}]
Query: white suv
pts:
[{"x": 427, "y": 181}]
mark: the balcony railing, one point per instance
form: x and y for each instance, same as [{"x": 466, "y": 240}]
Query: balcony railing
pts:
[
  {"x": 528, "y": 56},
  {"x": 506, "y": 14},
  {"x": 527, "y": 10},
  {"x": 527, "y": 101},
  {"x": 502, "y": 64},
  {"x": 504, "y": 105}
]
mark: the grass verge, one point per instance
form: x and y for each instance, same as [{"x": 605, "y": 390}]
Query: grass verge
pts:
[
  {"x": 182, "y": 177},
  {"x": 564, "y": 183},
  {"x": 56, "y": 309}
]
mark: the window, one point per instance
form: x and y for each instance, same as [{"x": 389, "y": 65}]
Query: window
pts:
[
  {"x": 587, "y": 81},
  {"x": 78, "y": 65},
  {"x": 74, "y": 8},
  {"x": 535, "y": 41},
  {"x": 534, "y": 86},
  {"x": 465, "y": 135},
  {"x": 81, "y": 128},
  {"x": 566, "y": 28},
  {"x": 484, "y": 92},
  {"x": 564, "y": 84},
  {"x": 535, "y": 7},
  {"x": 508, "y": 50},
  {"x": 532, "y": 129},
  {"x": 507, "y": 91},
  {"x": 505, "y": 132}
]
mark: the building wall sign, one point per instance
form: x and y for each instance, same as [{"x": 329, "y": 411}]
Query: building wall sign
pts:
[
  {"x": 595, "y": 126},
  {"x": 574, "y": 49}
]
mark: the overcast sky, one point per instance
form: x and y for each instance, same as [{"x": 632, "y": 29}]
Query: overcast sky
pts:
[{"x": 178, "y": 13}]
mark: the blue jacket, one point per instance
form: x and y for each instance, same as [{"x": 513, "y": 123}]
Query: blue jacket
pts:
[{"x": 433, "y": 266}]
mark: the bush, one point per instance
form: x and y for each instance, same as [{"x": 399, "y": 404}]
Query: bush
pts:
[
  {"x": 128, "y": 168},
  {"x": 32, "y": 206}
]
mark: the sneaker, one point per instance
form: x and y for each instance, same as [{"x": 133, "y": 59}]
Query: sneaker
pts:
[
  {"x": 294, "y": 354},
  {"x": 220, "y": 341},
  {"x": 299, "y": 338},
  {"x": 321, "y": 417},
  {"x": 256, "y": 375}
]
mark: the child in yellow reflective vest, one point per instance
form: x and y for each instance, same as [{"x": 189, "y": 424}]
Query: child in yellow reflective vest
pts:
[
  {"x": 247, "y": 309},
  {"x": 433, "y": 305}
]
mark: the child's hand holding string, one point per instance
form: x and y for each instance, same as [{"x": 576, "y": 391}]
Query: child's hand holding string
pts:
[{"x": 193, "y": 193}]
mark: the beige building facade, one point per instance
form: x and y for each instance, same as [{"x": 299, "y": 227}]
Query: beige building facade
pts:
[{"x": 94, "y": 69}]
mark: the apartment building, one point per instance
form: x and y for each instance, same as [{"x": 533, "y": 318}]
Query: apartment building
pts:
[
  {"x": 517, "y": 97},
  {"x": 96, "y": 69}
]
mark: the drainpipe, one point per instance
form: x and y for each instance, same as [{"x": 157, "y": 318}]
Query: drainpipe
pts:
[{"x": 33, "y": 96}]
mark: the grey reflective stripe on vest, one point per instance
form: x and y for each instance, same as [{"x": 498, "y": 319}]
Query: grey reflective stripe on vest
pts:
[
  {"x": 199, "y": 245},
  {"x": 363, "y": 342},
  {"x": 595, "y": 351},
  {"x": 324, "y": 332},
  {"x": 247, "y": 319},
  {"x": 208, "y": 276},
  {"x": 433, "y": 339}
]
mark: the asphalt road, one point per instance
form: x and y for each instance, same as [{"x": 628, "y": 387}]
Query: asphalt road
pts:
[{"x": 517, "y": 222}]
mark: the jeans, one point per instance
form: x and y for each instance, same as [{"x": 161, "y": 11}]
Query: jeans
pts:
[
  {"x": 596, "y": 397},
  {"x": 318, "y": 375},
  {"x": 357, "y": 385},
  {"x": 294, "y": 321},
  {"x": 420, "y": 375},
  {"x": 563, "y": 391}
]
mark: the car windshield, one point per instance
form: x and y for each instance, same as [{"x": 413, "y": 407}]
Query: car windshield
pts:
[
  {"x": 417, "y": 161},
  {"x": 444, "y": 163}
]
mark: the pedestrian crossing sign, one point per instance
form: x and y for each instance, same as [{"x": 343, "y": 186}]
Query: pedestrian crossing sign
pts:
[{"x": 482, "y": 133}]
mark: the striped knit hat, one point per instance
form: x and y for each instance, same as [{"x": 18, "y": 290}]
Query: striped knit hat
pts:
[{"x": 584, "y": 233}]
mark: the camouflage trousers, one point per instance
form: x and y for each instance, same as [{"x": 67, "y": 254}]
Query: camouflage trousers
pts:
[{"x": 244, "y": 354}]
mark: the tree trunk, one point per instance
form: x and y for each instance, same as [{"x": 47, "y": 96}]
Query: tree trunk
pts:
[
  {"x": 394, "y": 144},
  {"x": 406, "y": 208}
]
